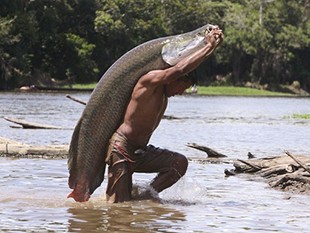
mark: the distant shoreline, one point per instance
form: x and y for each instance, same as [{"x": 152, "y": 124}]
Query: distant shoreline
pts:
[{"x": 201, "y": 91}]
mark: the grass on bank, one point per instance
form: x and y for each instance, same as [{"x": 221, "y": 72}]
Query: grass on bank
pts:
[
  {"x": 237, "y": 91},
  {"x": 213, "y": 90},
  {"x": 83, "y": 86},
  {"x": 301, "y": 116}
]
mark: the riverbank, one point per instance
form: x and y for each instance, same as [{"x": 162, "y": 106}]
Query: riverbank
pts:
[
  {"x": 291, "y": 90},
  {"x": 199, "y": 90},
  {"x": 214, "y": 90},
  {"x": 238, "y": 91}
]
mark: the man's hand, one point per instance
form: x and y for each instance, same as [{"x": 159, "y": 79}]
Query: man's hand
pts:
[{"x": 214, "y": 37}]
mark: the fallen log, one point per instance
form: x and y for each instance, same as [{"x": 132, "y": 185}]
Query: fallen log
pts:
[
  {"x": 288, "y": 172},
  {"x": 14, "y": 149},
  {"x": 31, "y": 125},
  {"x": 304, "y": 166},
  {"x": 211, "y": 153}
]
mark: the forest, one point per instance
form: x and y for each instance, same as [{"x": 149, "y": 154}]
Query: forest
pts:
[{"x": 57, "y": 42}]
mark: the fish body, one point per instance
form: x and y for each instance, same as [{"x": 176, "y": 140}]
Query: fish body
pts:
[{"x": 106, "y": 107}]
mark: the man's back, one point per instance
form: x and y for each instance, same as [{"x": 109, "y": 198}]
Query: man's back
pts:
[{"x": 144, "y": 112}]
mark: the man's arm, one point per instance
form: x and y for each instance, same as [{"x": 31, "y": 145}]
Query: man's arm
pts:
[{"x": 188, "y": 64}]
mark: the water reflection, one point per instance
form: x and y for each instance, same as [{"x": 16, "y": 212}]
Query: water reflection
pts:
[{"x": 140, "y": 216}]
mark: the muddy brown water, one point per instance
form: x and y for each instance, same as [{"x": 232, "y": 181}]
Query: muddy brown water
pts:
[{"x": 33, "y": 191}]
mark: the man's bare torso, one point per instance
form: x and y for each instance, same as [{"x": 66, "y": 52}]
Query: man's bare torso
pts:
[{"x": 143, "y": 113}]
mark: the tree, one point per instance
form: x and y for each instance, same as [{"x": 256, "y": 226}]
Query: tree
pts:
[
  {"x": 242, "y": 35},
  {"x": 6, "y": 60},
  {"x": 63, "y": 50},
  {"x": 263, "y": 38},
  {"x": 123, "y": 24}
]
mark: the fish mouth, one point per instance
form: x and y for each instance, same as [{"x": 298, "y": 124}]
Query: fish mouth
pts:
[{"x": 211, "y": 27}]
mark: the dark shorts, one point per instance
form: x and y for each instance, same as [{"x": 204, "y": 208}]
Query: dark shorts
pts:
[
  {"x": 147, "y": 159},
  {"x": 124, "y": 159}
]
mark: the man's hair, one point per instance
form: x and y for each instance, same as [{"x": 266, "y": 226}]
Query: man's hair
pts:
[{"x": 191, "y": 76}]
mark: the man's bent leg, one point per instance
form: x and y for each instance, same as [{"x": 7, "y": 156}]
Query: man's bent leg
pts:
[
  {"x": 166, "y": 179},
  {"x": 119, "y": 180},
  {"x": 170, "y": 165}
]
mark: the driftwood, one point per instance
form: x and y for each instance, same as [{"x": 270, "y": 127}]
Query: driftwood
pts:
[
  {"x": 300, "y": 163},
  {"x": 31, "y": 125},
  {"x": 76, "y": 100},
  {"x": 288, "y": 172},
  {"x": 169, "y": 117},
  {"x": 15, "y": 149},
  {"x": 211, "y": 153}
]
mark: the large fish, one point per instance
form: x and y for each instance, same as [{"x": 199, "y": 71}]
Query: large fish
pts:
[{"x": 106, "y": 107}]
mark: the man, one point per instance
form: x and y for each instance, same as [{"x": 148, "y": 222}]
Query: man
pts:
[{"x": 128, "y": 151}]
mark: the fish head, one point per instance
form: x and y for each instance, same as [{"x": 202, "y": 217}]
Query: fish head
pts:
[{"x": 180, "y": 46}]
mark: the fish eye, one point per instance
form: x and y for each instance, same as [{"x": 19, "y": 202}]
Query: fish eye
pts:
[{"x": 209, "y": 28}]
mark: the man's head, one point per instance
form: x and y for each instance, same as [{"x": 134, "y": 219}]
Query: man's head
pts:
[{"x": 178, "y": 86}]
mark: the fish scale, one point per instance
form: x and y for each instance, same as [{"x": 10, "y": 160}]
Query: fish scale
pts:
[{"x": 105, "y": 110}]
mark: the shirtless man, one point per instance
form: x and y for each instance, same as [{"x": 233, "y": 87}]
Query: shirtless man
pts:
[{"x": 128, "y": 150}]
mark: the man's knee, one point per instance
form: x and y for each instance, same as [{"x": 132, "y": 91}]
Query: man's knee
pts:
[{"x": 180, "y": 164}]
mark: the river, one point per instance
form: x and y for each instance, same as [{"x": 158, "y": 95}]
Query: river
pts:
[{"x": 33, "y": 191}]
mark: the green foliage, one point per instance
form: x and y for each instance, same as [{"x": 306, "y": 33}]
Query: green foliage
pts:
[
  {"x": 269, "y": 34},
  {"x": 241, "y": 27},
  {"x": 123, "y": 24},
  {"x": 301, "y": 116},
  {"x": 6, "y": 39},
  {"x": 81, "y": 63},
  {"x": 83, "y": 49}
]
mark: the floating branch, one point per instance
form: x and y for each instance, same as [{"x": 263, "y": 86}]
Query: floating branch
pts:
[
  {"x": 76, "y": 100},
  {"x": 31, "y": 125},
  {"x": 211, "y": 153}
]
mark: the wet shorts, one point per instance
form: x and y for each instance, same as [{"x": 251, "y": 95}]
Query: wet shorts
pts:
[{"x": 124, "y": 159}]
